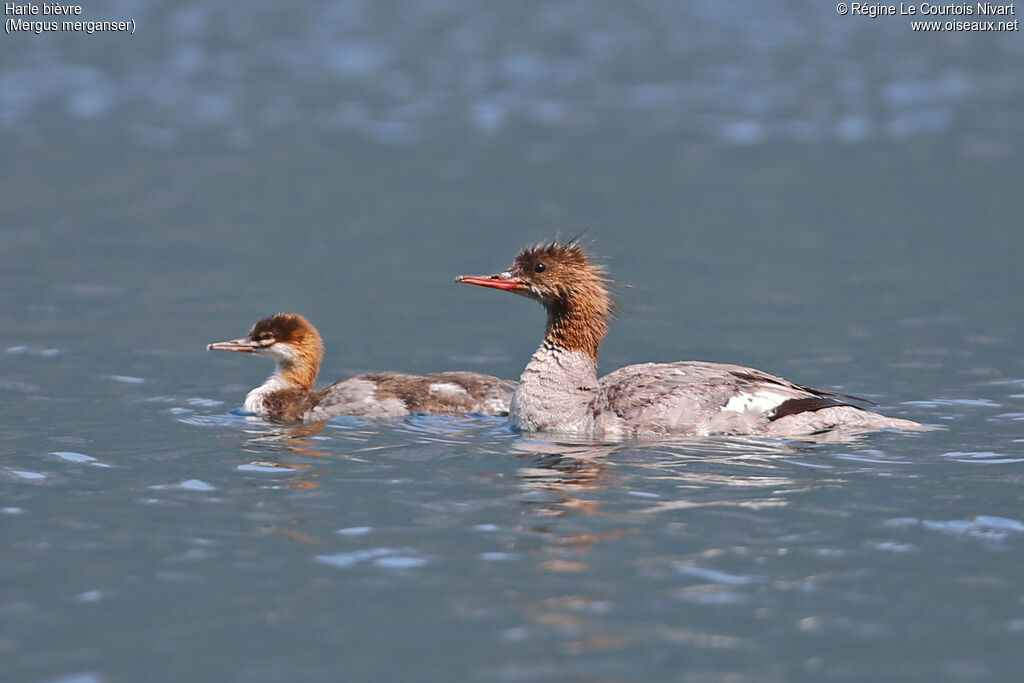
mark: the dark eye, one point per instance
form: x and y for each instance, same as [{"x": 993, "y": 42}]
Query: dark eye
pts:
[{"x": 539, "y": 268}]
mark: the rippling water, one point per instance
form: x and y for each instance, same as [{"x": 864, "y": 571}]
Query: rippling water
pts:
[
  {"x": 152, "y": 532},
  {"x": 833, "y": 200},
  {"x": 441, "y": 548}
]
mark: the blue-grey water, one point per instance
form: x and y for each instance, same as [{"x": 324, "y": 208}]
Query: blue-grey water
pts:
[{"x": 834, "y": 199}]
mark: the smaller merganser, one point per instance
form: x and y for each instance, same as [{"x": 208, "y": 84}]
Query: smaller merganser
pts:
[
  {"x": 559, "y": 390},
  {"x": 288, "y": 395}
]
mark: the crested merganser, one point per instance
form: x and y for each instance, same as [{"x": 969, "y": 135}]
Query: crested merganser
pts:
[
  {"x": 559, "y": 390},
  {"x": 288, "y": 395}
]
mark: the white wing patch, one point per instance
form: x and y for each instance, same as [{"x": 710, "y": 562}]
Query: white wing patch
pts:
[
  {"x": 494, "y": 406},
  {"x": 448, "y": 390},
  {"x": 761, "y": 401}
]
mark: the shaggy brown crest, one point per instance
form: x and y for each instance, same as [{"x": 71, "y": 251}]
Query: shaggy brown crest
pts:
[{"x": 573, "y": 289}]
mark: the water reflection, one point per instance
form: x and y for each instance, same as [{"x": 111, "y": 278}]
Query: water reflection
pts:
[
  {"x": 589, "y": 550},
  {"x": 632, "y": 485},
  {"x": 561, "y": 473},
  {"x": 591, "y": 506}
]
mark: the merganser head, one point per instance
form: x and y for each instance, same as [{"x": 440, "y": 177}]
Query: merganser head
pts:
[
  {"x": 550, "y": 273},
  {"x": 288, "y": 338},
  {"x": 572, "y": 288}
]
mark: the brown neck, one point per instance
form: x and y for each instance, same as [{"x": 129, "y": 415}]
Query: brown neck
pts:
[
  {"x": 575, "y": 326},
  {"x": 302, "y": 371}
]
